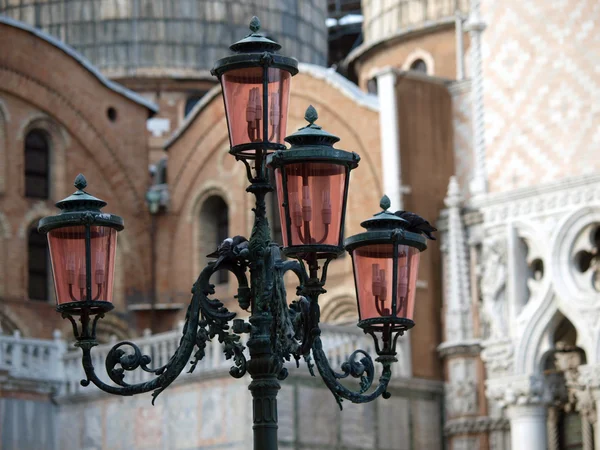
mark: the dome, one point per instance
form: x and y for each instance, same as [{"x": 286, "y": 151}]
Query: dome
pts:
[
  {"x": 384, "y": 19},
  {"x": 155, "y": 38}
]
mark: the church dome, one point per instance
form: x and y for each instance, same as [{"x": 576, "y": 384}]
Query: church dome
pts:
[{"x": 157, "y": 38}]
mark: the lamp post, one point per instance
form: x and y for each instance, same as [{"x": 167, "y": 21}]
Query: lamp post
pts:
[{"x": 312, "y": 179}]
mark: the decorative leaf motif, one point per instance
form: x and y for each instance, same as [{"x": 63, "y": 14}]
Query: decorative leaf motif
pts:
[
  {"x": 254, "y": 24},
  {"x": 385, "y": 202},
  {"x": 80, "y": 182},
  {"x": 311, "y": 115}
]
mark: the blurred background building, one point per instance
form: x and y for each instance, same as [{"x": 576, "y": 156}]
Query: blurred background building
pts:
[{"x": 476, "y": 114}]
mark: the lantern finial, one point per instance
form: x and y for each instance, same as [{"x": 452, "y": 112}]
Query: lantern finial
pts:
[
  {"x": 80, "y": 182},
  {"x": 385, "y": 203},
  {"x": 311, "y": 115},
  {"x": 254, "y": 24}
]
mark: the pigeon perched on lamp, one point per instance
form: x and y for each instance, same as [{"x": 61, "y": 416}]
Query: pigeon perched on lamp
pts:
[
  {"x": 229, "y": 250},
  {"x": 417, "y": 224}
]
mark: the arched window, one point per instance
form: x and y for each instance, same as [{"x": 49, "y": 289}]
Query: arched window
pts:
[
  {"x": 38, "y": 266},
  {"x": 372, "y": 86},
  {"x": 37, "y": 165},
  {"x": 418, "y": 65},
  {"x": 192, "y": 100},
  {"x": 214, "y": 228}
]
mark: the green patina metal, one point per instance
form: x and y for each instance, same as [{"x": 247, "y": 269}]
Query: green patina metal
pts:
[
  {"x": 80, "y": 208},
  {"x": 279, "y": 332}
]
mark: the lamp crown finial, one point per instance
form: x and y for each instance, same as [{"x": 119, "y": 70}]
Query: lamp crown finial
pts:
[
  {"x": 254, "y": 24},
  {"x": 311, "y": 115},
  {"x": 80, "y": 182},
  {"x": 385, "y": 202}
]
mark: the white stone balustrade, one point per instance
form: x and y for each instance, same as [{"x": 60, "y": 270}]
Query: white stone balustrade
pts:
[
  {"x": 32, "y": 359},
  {"x": 54, "y": 361}
]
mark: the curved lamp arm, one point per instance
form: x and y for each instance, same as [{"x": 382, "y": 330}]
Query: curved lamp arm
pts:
[
  {"x": 363, "y": 369},
  {"x": 205, "y": 319},
  {"x": 306, "y": 310}
]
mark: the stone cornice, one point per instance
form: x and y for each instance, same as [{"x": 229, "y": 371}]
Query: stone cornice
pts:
[
  {"x": 473, "y": 425},
  {"x": 459, "y": 87},
  {"x": 538, "y": 200},
  {"x": 468, "y": 347}
]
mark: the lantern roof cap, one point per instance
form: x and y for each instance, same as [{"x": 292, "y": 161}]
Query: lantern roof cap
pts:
[
  {"x": 80, "y": 199},
  {"x": 255, "y": 42},
  {"x": 384, "y": 219},
  {"x": 311, "y": 134},
  {"x": 386, "y": 227},
  {"x": 80, "y": 208}
]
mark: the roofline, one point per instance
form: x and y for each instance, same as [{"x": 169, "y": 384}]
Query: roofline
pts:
[
  {"x": 134, "y": 97},
  {"x": 330, "y": 76},
  {"x": 408, "y": 32},
  {"x": 204, "y": 101}
]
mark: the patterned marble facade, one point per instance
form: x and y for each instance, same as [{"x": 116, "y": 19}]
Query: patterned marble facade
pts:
[{"x": 530, "y": 231}]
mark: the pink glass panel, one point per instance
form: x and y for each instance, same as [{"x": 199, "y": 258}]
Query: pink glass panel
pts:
[
  {"x": 67, "y": 252},
  {"x": 373, "y": 266},
  {"x": 243, "y": 93},
  {"x": 316, "y": 197}
]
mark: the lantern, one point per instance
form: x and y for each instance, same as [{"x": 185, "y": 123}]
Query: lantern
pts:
[
  {"x": 312, "y": 188},
  {"x": 82, "y": 242},
  {"x": 386, "y": 264},
  {"x": 256, "y": 88}
]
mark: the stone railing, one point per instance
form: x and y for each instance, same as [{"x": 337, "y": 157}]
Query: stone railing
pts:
[
  {"x": 51, "y": 361},
  {"x": 38, "y": 360},
  {"x": 338, "y": 343}
]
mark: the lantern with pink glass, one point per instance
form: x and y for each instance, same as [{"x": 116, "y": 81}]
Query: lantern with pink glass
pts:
[{"x": 386, "y": 263}]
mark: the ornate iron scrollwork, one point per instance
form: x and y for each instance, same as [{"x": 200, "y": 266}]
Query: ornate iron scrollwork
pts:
[{"x": 205, "y": 319}]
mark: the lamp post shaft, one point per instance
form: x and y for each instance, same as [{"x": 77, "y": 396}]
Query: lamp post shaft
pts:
[
  {"x": 264, "y": 386},
  {"x": 263, "y": 366}
]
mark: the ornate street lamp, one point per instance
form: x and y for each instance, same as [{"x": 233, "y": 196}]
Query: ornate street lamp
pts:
[
  {"x": 386, "y": 264},
  {"x": 256, "y": 91},
  {"x": 83, "y": 243},
  {"x": 312, "y": 184},
  {"x": 312, "y": 188}
]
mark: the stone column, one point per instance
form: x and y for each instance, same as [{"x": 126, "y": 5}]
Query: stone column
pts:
[
  {"x": 391, "y": 161},
  {"x": 526, "y": 399},
  {"x": 587, "y": 433},
  {"x": 588, "y": 399},
  {"x": 553, "y": 432},
  {"x": 528, "y": 427},
  {"x": 475, "y": 27}
]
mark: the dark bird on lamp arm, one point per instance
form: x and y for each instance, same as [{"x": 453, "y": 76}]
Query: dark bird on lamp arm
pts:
[
  {"x": 416, "y": 224},
  {"x": 229, "y": 250}
]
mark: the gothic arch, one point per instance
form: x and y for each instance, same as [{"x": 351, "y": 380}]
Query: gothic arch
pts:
[
  {"x": 532, "y": 344},
  {"x": 535, "y": 239},
  {"x": 581, "y": 304}
]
